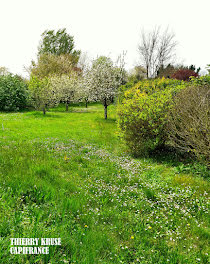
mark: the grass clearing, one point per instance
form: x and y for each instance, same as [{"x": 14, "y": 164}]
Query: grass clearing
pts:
[{"x": 67, "y": 175}]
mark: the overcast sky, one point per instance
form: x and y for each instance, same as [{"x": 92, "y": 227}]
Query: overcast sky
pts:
[{"x": 103, "y": 27}]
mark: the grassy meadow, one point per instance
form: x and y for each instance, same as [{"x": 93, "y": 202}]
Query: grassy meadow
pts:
[{"x": 68, "y": 175}]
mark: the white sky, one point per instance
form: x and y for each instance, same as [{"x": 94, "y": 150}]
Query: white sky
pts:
[{"x": 103, "y": 27}]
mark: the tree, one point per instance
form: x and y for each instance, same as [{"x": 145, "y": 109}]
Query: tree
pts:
[
  {"x": 50, "y": 64},
  {"x": 4, "y": 71},
  {"x": 83, "y": 88},
  {"x": 83, "y": 91},
  {"x": 58, "y": 43},
  {"x": 67, "y": 87},
  {"x": 166, "y": 71},
  {"x": 56, "y": 55},
  {"x": 103, "y": 80},
  {"x": 156, "y": 49},
  {"x": 193, "y": 68},
  {"x": 43, "y": 94},
  {"x": 137, "y": 73}
]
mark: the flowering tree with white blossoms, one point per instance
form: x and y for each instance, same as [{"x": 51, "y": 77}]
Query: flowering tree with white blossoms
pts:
[
  {"x": 83, "y": 89},
  {"x": 68, "y": 87},
  {"x": 102, "y": 81},
  {"x": 42, "y": 94}
]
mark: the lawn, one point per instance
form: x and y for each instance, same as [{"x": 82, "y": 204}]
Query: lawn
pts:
[{"x": 69, "y": 176}]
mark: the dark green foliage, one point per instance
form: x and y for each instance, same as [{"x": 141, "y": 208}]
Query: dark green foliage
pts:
[{"x": 13, "y": 93}]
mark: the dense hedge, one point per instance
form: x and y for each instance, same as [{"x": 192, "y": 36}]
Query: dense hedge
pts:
[
  {"x": 143, "y": 113},
  {"x": 13, "y": 93}
]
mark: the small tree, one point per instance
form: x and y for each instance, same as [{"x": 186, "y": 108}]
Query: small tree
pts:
[
  {"x": 103, "y": 80},
  {"x": 43, "y": 95},
  {"x": 83, "y": 89},
  {"x": 67, "y": 87}
]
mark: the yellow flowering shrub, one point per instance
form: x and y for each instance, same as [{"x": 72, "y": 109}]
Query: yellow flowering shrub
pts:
[{"x": 143, "y": 113}]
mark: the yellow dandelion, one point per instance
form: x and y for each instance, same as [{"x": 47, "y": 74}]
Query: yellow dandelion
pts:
[
  {"x": 149, "y": 227},
  {"x": 132, "y": 237}
]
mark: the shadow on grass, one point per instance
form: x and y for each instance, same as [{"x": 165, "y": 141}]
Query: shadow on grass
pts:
[
  {"x": 41, "y": 115},
  {"x": 108, "y": 120},
  {"x": 73, "y": 107},
  {"x": 183, "y": 162},
  {"x": 25, "y": 110}
]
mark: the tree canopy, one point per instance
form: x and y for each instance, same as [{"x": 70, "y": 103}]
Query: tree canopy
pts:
[
  {"x": 156, "y": 49},
  {"x": 57, "y": 43},
  {"x": 103, "y": 80},
  {"x": 50, "y": 64}
]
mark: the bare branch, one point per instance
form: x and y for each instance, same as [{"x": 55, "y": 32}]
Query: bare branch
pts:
[{"x": 156, "y": 50}]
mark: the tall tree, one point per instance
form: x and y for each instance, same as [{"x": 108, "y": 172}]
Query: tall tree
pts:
[
  {"x": 156, "y": 49},
  {"x": 56, "y": 55},
  {"x": 57, "y": 43}
]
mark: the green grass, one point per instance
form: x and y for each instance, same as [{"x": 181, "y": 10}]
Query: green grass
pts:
[{"x": 68, "y": 175}]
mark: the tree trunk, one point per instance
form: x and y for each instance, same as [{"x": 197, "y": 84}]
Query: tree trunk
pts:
[
  {"x": 44, "y": 110},
  {"x": 86, "y": 103},
  {"x": 147, "y": 72},
  {"x": 105, "y": 109},
  {"x": 67, "y": 106}
]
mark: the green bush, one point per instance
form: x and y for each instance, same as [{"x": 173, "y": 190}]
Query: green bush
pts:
[
  {"x": 188, "y": 125},
  {"x": 143, "y": 113},
  {"x": 13, "y": 93},
  {"x": 204, "y": 80},
  {"x": 123, "y": 89}
]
